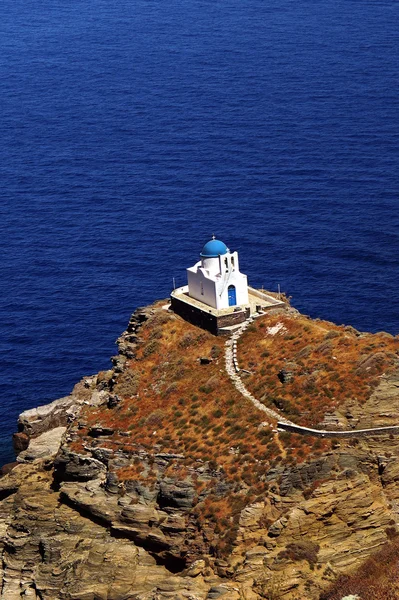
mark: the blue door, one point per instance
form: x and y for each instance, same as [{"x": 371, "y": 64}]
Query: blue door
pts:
[{"x": 232, "y": 295}]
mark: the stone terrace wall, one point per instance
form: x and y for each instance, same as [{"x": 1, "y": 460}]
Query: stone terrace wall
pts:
[
  {"x": 353, "y": 433},
  {"x": 206, "y": 320}
]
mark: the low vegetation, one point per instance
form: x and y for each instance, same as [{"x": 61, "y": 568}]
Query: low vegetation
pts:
[
  {"x": 309, "y": 368},
  {"x": 173, "y": 397},
  {"x": 377, "y": 578},
  {"x": 172, "y": 402}
]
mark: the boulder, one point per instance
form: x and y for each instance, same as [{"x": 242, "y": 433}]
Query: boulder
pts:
[
  {"x": 20, "y": 442},
  {"x": 176, "y": 494},
  {"x": 35, "y": 421},
  {"x": 71, "y": 466},
  {"x": 45, "y": 445},
  {"x": 98, "y": 431},
  {"x": 113, "y": 401}
]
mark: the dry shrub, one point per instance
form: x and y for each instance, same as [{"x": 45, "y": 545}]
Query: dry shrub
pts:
[
  {"x": 156, "y": 334},
  {"x": 193, "y": 338},
  {"x": 127, "y": 384},
  {"x": 332, "y": 364},
  {"x": 155, "y": 418},
  {"x": 159, "y": 319},
  {"x": 130, "y": 472},
  {"x": 324, "y": 348},
  {"x": 216, "y": 351},
  {"x": 332, "y": 334},
  {"x": 377, "y": 578},
  {"x": 270, "y": 586},
  {"x": 171, "y": 389},
  {"x": 211, "y": 385},
  {"x": 302, "y": 550},
  {"x": 150, "y": 348}
]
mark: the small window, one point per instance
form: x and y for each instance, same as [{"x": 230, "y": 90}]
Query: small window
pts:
[
  {"x": 202, "y": 289},
  {"x": 232, "y": 261}
]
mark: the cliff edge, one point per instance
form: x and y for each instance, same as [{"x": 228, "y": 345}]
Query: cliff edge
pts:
[{"x": 161, "y": 479}]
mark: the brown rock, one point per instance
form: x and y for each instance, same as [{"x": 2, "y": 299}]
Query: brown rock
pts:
[
  {"x": 20, "y": 442},
  {"x": 7, "y": 468}
]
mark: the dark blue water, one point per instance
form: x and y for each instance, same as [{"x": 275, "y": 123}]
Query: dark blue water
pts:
[{"x": 132, "y": 131}]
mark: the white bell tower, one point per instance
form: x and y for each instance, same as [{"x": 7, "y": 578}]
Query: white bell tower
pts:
[{"x": 216, "y": 279}]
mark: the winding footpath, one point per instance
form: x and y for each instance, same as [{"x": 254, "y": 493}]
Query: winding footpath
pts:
[
  {"x": 284, "y": 424},
  {"x": 233, "y": 370}
]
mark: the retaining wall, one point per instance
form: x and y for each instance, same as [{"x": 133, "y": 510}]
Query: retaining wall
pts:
[
  {"x": 352, "y": 433},
  {"x": 207, "y": 320}
]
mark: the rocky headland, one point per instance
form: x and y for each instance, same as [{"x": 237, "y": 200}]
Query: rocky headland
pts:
[{"x": 163, "y": 478}]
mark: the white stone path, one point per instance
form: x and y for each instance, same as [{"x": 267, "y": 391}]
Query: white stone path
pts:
[{"x": 233, "y": 369}]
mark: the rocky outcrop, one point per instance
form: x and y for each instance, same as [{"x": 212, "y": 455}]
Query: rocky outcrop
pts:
[
  {"x": 70, "y": 466},
  {"x": 49, "y": 550},
  {"x": 20, "y": 442},
  {"x": 330, "y": 513},
  {"x": 91, "y": 513},
  {"x": 45, "y": 445},
  {"x": 59, "y": 413},
  {"x": 128, "y": 341},
  {"x": 157, "y": 517}
]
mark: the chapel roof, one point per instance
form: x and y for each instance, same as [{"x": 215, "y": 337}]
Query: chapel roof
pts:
[{"x": 213, "y": 249}]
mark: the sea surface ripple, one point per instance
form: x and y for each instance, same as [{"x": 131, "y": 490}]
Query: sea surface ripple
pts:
[{"x": 133, "y": 131}]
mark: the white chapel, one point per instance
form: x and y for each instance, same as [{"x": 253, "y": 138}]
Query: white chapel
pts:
[{"x": 216, "y": 280}]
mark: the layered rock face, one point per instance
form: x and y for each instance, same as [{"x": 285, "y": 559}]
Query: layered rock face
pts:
[
  {"x": 50, "y": 550},
  {"x": 96, "y": 510}
]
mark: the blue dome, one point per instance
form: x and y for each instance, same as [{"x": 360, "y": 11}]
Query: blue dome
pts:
[{"x": 213, "y": 249}]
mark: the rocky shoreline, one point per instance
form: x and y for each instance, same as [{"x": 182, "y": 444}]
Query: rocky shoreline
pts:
[{"x": 85, "y": 516}]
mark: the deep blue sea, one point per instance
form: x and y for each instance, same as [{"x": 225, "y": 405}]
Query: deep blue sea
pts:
[{"x": 134, "y": 130}]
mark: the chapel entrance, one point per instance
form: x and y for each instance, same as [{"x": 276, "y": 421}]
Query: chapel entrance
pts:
[{"x": 232, "y": 295}]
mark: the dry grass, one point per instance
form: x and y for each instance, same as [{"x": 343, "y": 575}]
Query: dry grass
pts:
[
  {"x": 326, "y": 364},
  {"x": 377, "y": 578},
  {"x": 132, "y": 471},
  {"x": 184, "y": 407},
  {"x": 172, "y": 403}
]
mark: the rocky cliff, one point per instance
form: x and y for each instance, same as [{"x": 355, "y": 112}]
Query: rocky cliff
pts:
[{"x": 158, "y": 479}]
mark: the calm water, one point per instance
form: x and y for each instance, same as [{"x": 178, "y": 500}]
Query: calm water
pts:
[{"x": 132, "y": 131}]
